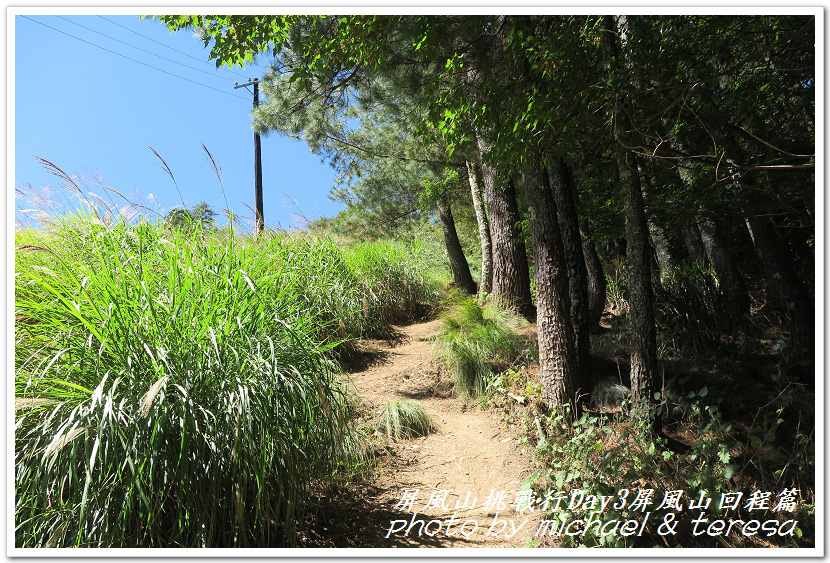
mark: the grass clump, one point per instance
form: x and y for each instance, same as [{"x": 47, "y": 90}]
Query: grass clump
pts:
[
  {"x": 404, "y": 419},
  {"x": 176, "y": 388},
  {"x": 479, "y": 339}
]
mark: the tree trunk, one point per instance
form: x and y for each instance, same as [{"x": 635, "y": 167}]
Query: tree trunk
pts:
[
  {"x": 557, "y": 354},
  {"x": 662, "y": 248},
  {"x": 597, "y": 287},
  {"x": 730, "y": 281},
  {"x": 563, "y": 189},
  {"x": 659, "y": 240},
  {"x": 784, "y": 290},
  {"x": 511, "y": 276},
  {"x": 486, "y": 284},
  {"x": 693, "y": 242},
  {"x": 458, "y": 262},
  {"x": 638, "y": 251},
  {"x": 640, "y": 296}
]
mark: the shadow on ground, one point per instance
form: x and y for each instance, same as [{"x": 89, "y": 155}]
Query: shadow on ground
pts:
[{"x": 361, "y": 516}]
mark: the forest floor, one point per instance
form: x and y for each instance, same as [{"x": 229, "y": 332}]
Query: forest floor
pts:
[{"x": 461, "y": 480}]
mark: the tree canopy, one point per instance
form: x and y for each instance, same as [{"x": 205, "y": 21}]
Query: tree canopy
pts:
[{"x": 680, "y": 133}]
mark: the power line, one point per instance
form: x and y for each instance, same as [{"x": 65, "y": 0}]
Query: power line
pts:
[
  {"x": 212, "y": 74},
  {"x": 168, "y": 46},
  {"x": 133, "y": 60}
]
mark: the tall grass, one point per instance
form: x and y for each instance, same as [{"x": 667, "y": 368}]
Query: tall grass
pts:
[
  {"x": 397, "y": 282},
  {"x": 177, "y": 390},
  {"x": 692, "y": 312},
  {"x": 478, "y": 336}
]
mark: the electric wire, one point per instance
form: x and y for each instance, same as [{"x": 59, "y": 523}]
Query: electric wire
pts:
[
  {"x": 168, "y": 46},
  {"x": 212, "y": 74},
  {"x": 133, "y": 60}
]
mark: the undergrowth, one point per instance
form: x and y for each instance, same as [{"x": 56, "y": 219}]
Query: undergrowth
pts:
[
  {"x": 720, "y": 475},
  {"x": 479, "y": 339},
  {"x": 718, "y": 465},
  {"x": 734, "y": 466}
]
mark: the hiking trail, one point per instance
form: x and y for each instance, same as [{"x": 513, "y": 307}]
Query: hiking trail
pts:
[{"x": 472, "y": 452}]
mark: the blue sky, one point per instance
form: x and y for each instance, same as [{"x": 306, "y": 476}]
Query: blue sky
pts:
[{"x": 94, "y": 112}]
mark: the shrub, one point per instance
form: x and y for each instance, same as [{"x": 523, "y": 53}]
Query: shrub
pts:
[{"x": 604, "y": 456}]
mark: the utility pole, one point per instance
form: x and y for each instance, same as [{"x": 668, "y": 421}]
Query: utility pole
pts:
[{"x": 260, "y": 215}]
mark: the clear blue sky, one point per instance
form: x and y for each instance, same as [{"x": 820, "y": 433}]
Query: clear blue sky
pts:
[{"x": 93, "y": 113}]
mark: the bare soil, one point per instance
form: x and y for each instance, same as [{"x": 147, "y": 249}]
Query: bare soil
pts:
[{"x": 463, "y": 479}]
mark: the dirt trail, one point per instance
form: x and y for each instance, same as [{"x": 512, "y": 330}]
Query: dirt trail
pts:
[{"x": 472, "y": 452}]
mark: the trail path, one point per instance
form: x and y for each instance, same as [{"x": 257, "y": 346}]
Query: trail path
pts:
[{"x": 472, "y": 452}]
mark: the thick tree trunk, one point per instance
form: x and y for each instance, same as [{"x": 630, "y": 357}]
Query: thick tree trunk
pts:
[
  {"x": 511, "y": 276},
  {"x": 690, "y": 227},
  {"x": 597, "y": 286},
  {"x": 705, "y": 242},
  {"x": 486, "y": 284},
  {"x": 731, "y": 283},
  {"x": 557, "y": 354},
  {"x": 662, "y": 248},
  {"x": 640, "y": 296},
  {"x": 458, "y": 262},
  {"x": 563, "y": 189},
  {"x": 693, "y": 242},
  {"x": 659, "y": 240},
  {"x": 784, "y": 290},
  {"x": 638, "y": 251}
]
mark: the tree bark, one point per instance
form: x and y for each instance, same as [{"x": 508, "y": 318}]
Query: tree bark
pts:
[
  {"x": 511, "y": 275},
  {"x": 557, "y": 354},
  {"x": 784, "y": 290},
  {"x": 730, "y": 281},
  {"x": 641, "y": 298},
  {"x": 458, "y": 262},
  {"x": 693, "y": 242},
  {"x": 659, "y": 240},
  {"x": 638, "y": 251},
  {"x": 662, "y": 248},
  {"x": 563, "y": 188},
  {"x": 486, "y": 284},
  {"x": 597, "y": 286}
]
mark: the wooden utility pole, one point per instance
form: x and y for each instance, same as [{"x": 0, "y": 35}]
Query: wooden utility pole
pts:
[{"x": 260, "y": 215}]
